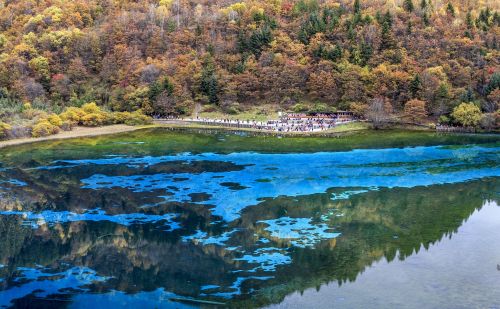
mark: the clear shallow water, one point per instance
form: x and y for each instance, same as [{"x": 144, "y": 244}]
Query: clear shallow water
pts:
[{"x": 151, "y": 217}]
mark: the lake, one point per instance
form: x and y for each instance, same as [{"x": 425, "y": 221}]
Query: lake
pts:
[{"x": 164, "y": 218}]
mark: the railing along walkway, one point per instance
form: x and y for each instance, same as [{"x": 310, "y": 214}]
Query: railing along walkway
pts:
[{"x": 291, "y": 125}]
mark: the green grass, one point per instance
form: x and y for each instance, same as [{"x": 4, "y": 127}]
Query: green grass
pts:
[{"x": 348, "y": 127}]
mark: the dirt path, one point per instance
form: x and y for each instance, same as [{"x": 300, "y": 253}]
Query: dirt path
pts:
[{"x": 76, "y": 132}]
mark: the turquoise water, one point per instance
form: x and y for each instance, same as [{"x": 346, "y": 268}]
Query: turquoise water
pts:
[{"x": 162, "y": 218}]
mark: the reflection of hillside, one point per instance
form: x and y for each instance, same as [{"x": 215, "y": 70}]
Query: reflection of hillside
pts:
[
  {"x": 388, "y": 223},
  {"x": 61, "y": 188},
  {"x": 139, "y": 258}
]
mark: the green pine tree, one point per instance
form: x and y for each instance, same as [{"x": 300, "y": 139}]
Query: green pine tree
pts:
[
  {"x": 408, "y": 6},
  {"x": 355, "y": 55},
  {"x": 425, "y": 19},
  {"x": 351, "y": 33},
  {"x": 357, "y": 7},
  {"x": 388, "y": 18},
  {"x": 387, "y": 38},
  {"x": 493, "y": 84},
  {"x": 409, "y": 27},
  {"x": 469, "y": 21},
  {"x": 209, "y": 85},
  {"x": 467, "y": 96},
  {"x": 158, "y": 87},
  {"x": 415, "y": 86},
  {"x": 450, "y": 9},
  {"x": 379, "y": 18},
  {"x": 496, "y": 18},
  {"x": 314, "y": 24},
  {"x": 366, "y": 53}
]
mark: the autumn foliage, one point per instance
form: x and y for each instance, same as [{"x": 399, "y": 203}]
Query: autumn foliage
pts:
[
  {"x": 89, "y": 115},
  {"x": 164, "y": 57},
  {"x": 415, "y": 111},
  {"x": 467, "y": 114}
]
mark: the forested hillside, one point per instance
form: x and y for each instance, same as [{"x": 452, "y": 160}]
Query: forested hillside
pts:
[{"x": 165, "y": 56}]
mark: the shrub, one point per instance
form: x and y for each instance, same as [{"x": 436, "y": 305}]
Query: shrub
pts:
[
  {"x": 73, "y": 114},
  {"x": 120, "y": 117},
  {"x": 489, "y": 121},
  {"x": 55, "y": 120},
  {"x": 184, "y": 107},
  {"x": 209, "y": 108},
  {"x": 232, "y": 110},
  {"x": 320, "y": 108},
  {"x": 137, "y": 118},
  {"x": 445, "y": 120},
  {"x": 33, "y": 113},
  {"x": 93, "y": 119},
  {"x": 343, "y": 106},
  {"x": 91, "y": 108},
  {"x": 108, "y": 118},
  {"x": 230, "y": 107},
  {"x": 67, "y": 126},
  {"x": 131, "y": 119},
  {"x": 19, "y": 131},
  {"x": 27, "y": 106},
  {"x": 4, "y": 129},
  {"x": 44, "y": 128},
  {"x": 297, "y": 108}
]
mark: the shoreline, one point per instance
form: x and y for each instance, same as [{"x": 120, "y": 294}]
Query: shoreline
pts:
[
  {"x": 121, "y": 128},
  {"x": 76, "y": 132}
]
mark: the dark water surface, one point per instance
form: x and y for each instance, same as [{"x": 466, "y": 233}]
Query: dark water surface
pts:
[{"x": 165, "y": 218}]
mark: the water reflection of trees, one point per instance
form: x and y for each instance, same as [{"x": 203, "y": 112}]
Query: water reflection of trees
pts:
[{"x": 390, "y": 223}]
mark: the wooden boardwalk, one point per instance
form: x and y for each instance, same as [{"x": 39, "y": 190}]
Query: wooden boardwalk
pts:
[{"x": 275, "y": 126}]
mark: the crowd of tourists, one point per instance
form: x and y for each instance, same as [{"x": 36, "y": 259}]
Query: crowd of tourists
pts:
[{"x": 286, "y": 123}]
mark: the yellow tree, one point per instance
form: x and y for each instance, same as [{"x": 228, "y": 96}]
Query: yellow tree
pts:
[
  {"x": 467, "y": 114},
  {"x": 415, "y": 111}
]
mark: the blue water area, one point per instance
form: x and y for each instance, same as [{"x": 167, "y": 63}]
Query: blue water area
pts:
[
  {"x": 273, "y": 175},
  {"x": 268, "y": 258},
  {"x": 41, "y": 282},
  {"x": 14, "y": 182},
  {"x": 301, "y": 231},
  {"x": 235, "y": 288},
  {"x": 35, "y": 220},
  {"x": 242, "y": 228}
]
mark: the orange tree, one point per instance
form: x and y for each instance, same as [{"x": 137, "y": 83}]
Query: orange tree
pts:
[{"x": 415, "y": 111}]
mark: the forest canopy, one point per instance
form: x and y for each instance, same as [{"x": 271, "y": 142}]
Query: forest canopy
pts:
[{"x": 164, "y": 56}]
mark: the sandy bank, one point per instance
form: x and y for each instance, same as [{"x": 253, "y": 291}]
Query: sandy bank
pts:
[{"x": 76, "y": 132}]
